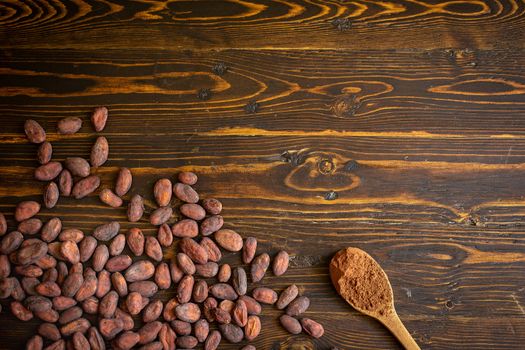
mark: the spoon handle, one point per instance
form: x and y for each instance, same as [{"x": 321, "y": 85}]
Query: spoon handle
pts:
[{"x": 394, "y": 324}]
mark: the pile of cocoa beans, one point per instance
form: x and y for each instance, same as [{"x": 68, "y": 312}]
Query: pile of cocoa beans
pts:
[{"x": 91, "y": 290}]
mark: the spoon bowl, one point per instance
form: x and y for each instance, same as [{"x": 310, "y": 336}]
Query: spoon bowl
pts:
[{"x": 360, "y": 280}]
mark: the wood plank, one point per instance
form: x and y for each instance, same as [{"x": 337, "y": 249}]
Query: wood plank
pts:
[{"x": 262, "y": 24}]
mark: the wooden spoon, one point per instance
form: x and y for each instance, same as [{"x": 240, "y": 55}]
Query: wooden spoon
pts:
[{"x": 360, "y": 280}]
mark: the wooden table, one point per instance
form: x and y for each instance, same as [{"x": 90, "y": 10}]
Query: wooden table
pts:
[{"x": 400, "y": 131}]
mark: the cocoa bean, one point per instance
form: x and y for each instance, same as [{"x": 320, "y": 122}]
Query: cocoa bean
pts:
[
  {"x": 280, "y": 263},
  {"x": 5, "y": 266},
  {"x": 118, "y": 263},
  {"x": 20, "y": 312},
  {"x": 298, "y": 306},
  {"x": 185, "y": 264},
  {"x": 175, "y": 272},
  {"x": 187, "y": 342},
  {"x": 46, "y": 262},
  {"x": 264, "y": 295},
  {"x": 99, "y": 152},
  {"x": 26, "y": 209},
  {"x": 35, "y": 343},
  {"x": 3, "y": 225},
  {"x": 34, "y": 131},
  {"x": 119, "y": 284},
  {"x": 225, "y": 273},
  {"x": 61, "y": 303},
  {"x": 208, "y": 270},
  {"x": 134, "y": 303},
  {"x": 95, "y": 339},
  {"x": 185, "y": 193},
  {"x": 11, "y": 242},
  {"x": 185, "y": 288},
  {"x": 193, "y": 250},
  {"x": 286, "y": 297},
  {"x": 223, "y": 291},
  {"x": 127, "y": 321},
  {"x": 135, "y": 208},
  {"x": 252, "y": 328},
  {"x": 209, "y": 306},
  {"x": 49, "y": 315},
  {"x": 227, "y": 305},
  {"x": 107, "y": 231},
  {"x": 108, "y": 305},
  {"x": 312, "y": 328},
  {"x": 80, "y": 342},
  {"x": 152, "y": 311},
  {"x": 29, "y": 284},
  {"x": 231, "y": 332},
  {"x": 88, "y": 288},
  {"x": 240, "y": 313},
  {"x": 71, "y": 234},
  {"x": 123, "y": 183},
  {"x": 62, "y": 272},
  {"x": 202, "y": 329},
  {"x": 70, "y": 315},
  {"x": 85, "y": 187},
  {"x": 229, "y": 240},
  {"x": 185, "y": 228},
  {"x": 167, "y": 337},
  {"x": 139, "y": 271},
  {"x": 87, "y": 247},
  {"x": 160, "y": 215},
  {"x": 44, "y": 153},
  {"x": 78, "y": 166},
  {"x": 51, "y": 229},
  {"x": 169, "y": 310},
  {"x": 108, "y": 197},
  {"x": 48, "y": 289},
  {"x": 100, "y": 257},
  {"x": 99, "y": 118},
  {"x": 48, "y": 171},
  {"x": 117, "y": 245},
  {"x": 193, "y": 211},
  {"x": 53, "y": 248},
  {"x": 76, "y": 268},
  {"x": 181, "y": 327},
  {"x": 164, "y": 235},
  {"x": 212, "y": 206},
  {"x": 17, "y": 293},
  {"x": 162, "y": 276},
  {"x": 211, "y": 225},
  {"x": 80, "y": 325},
  {"x": 110, "y": 327},
  {"x": 156, "y": 345},
  {"x": 153, "y": 248},
  {"x": 149, "y": 332},
  {"x": 49, "y": 331},
  {"x": 65, "y": 183},
  {"x": 90, "y": 305},
  {"x": 162, "y": 192},
  {"x": 200, "y": 291},
  {"x": 259, "y": 266},
  {"x": 69, "y": 250},
  {"x": 51, "y": 195},
  {"x": 188, "y": 312},
  {"x": 145, "y": 288},
  {"x": 31, "y": 253},
  {"x": 58, "y": 345},
  {"x": 30, "y": 226},
  {"x": 188, "y": 178},
  {"x": 213, "y": 341},
  {"x": 292, "y": 325},
  {"x": 69, "y": 125},
  {"x": 240, "y": 281}
]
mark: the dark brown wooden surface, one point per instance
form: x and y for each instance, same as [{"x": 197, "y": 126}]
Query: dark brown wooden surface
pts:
[{"x": 415, "y": 116}]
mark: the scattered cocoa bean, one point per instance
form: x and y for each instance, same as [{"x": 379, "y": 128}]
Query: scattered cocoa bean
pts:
[
  {"x": 225, "y": 273},
  {"x": 95, "y": 339},
  {"x": 108, "y": 197},
  {"x": 140, "y": 271},
  {"x": 240, "y": 313},
  {"x": 135, "y": 208},
  {"x": 188, "y": 312},
  {"x": 88, "y": 288},
  {"x": 153, "y": 248},
  {"x": 200, "y": 291},
  {"x": 160, "y": 215},
  {"x": 185, "y": 193},
  {"x": 100, "y": 257},
  {"x": 119, "y": 284},
  {"x": 20, "y": 311},
  {"x": 201, "y": 330},
  {"x": 71, "y": 234},
  {"x": 30, "y": 226},
  {"x": 292, "y": 325},
  {"x": 99, "y": 152},
  {"x": 49, "y": 315},
  {"x": 49, "y": 331},
  {"x": 227, "y": 305},
  {"x": 229, "y": 240},
  {"x": 286, "y": 297},
  {"x": 29, "y": 284},
  {"x": 26, "y": 209},
  {"x": 61, "y": 303},
  {"x": 185, "y": 228},
  {"x": 127, "y": 321},
  {"x": 80, "y": 342},
  {"x": 48, "y": 289},
  {"x": 208, "y": 270},
  {"x": 259, "y": 266},
  {"x": 34, "y": 131},
  {"x": 118, "y": 263},
  {"x": 11, "y": 242},
  {"x": 99, "y": 118},
  {"x": 188, "y": 178},
  {"x": 145, "y": 288},
  {"x": 104, "y": 284},
  {"x": 51, "y": 195},
  {"x": 193, "y": 211},
  {"x": 280, "y": 263},
  {"x": 65, "y": 183},
  {"x": 187, "y": 342},
  {"x": 69, "y": 125},
  {"x": 211, "y": 225},
  {"x": 252, "y": 328},
  {"x": 240, "y": 281},
  {"x": 48, "y": 171},
  {"x": 149, "y": 332},
  {"x": 70, "y": 251},
  {"x": 90, "y": 305},
  {"x": 78, "y": 166},
  {"x": 164, "y": 235},
  {"x": 298, "y": 306},
  {"x": 35, "y": 343},
  {"x": 107, "y": 231},
  {"x": 231, "y": 332},
  {"x": 181, "y": 327},
  {"x": 312, "y": 328},
  {"x": 169, "y": 310},
  {"x": 123, "y": 183},
  {"x": 193, "y": 250},
  {"x": 135, "y": 240},
  {"x": 264, "y": 295},
  {"x": 152, "y": 312},
  {"x": 167, "y": 337},
  {"x": 162, "y": 276},
  {"x": 185, "y": 264},
  {"x": 79, "y": 325},
  {"x": 110, "y": 327},
  {"x": 31, "y": 253},
  {"x": 162, "y": 192},
  {"x": 70, "y": 315},
  {"x": 134, "y": 303},
  {"x": 213, "y": 341},
  {"x": 175, "y": 271},
  {"x": 208, "y": 307},
  {"x": 223, "y": 291},
  {"x": 44, "y": 153},
  {"x": 85, "y": 187},
  {"x": 185, "y": 288}
]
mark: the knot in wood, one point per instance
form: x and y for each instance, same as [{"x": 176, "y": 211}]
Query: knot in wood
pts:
[{"x": 326, "y": 166}]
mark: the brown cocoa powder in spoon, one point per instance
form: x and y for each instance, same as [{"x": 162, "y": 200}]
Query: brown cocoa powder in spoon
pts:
[{"x": 364, "y": 284}]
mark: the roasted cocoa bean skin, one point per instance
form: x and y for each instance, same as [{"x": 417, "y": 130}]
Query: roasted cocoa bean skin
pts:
[
  {"x": 80, "y": 325},
  {"x": 227, "y": 305},
  {"x": 127, "y": 320},
  {"x": 44, "y": 153},
  {"x": 69, "y": 125},
  {"x": 152, "y": 311},
  {"x": 34, "y": 131},
  {"x": 202, "y": 329},
  {"x": 192, "y": 249},
  {"x": 87, "y": 247},
  {"x": 30, "y": 226},
  {"x": 51, "y": 195},
  {"x": 185, "y": 288},
  {"x": 221, "y": 316},
  {"x": 223, "y": 291},
  {"x": 231, "y": 332},
  {"x": 208, "y": 270},
  {"x": 259, "y": 266},
  {"x": 209, "y": 306},
  {"x": 229, "y": 240},
  {"x": 140, "y": 271},
  {"x": 65, "y": 183},
  {"x": 100, "y": 257},
  {"x": 48, "y": 289},
  {"x": 213, "y": 341},
  {"x": 167, "y": 337},
  {"x": 212, "y": 206},
  {"x": 264, "y": 295},
  {"x": 69, "y": 250},
  {"x": 185, "y": 264},
  {"x": 292, "y": 325},
  {"x": 108, "y": 197},
  {"x": 164, "y": 235},
  {"x": 162, "y": 276},
  {"x": 108, "y": 305},
  {"x": 107, "y": 231},
  {"x": 85, "y": 187},
  {"x": 49, "y": 315},
  {"x": 80, "y": 342},
  {"x": 135, "y": 240},
  {"x": 252, "y": 328},
  {"x": 127, "y": 340},
  {"x": 119, "y": 284},
  {"x": 135, "y": 208},
  {"x": 185, "y": 228},
  {"x": 162, "y": 192},
  {"x": 249, "y": 249},
  {"x": 240, "y": 313},
  {"x": 312, "y": 328},
  {"x": 153, "y": 248},
  {"x": 240, "y": 281},
  {"x": 118, "y": 263},
  {"x": 169, "y": 310},
  {"x": 160, "y": 215},
  {"x": 49, "y": 331},
  {"x": 224, "y": 273},
  {"x": 123, "y": 183},
  {"x": 145, "y": 288},
  {"x": 280, "y": 263},
  {"x": 61, "y": 303},
  {"x": 99, "y": 152},
  {"x": 211, "y": 225},
  {"x": 188, "y": 178},
  {"x": 31, "y": 253},
  {"x": 188, "y": 312},
  {"x": 38, "y": 303},
  {"x": 70, "y": 315},
  {"x": 20, "y": 311},
  {"x": 181, "y": 327},
  {"x": 95, "y": 339},
  {"x": 134, "y": 303},
  {"x": 175, "y": 271},
  {"x": 78, "y": 166},
  {"x": 187, "y": 342},
  {"x": 71, "y": 234},
  {"x": 26, "y": 209},
  {"x": 11, "y": 242},
  {"x": 200, "y": 291},
  {"x": 109, "y": 328},
  {"x": 193, "y": 211},
  {"x": 298, "y": 306},
  {"x": 286, "y": 297},
  {"x": 90, "y": 305},
  {"x": 88, "y": 288},
  {"x": 99, "y": 118},
  {"x": 185, "y": 193},
  {"x": 149, "y": 332},
  {"x": 29, "y": 284},
  {"x": 48, "y": 171},
  {"x": 117, "y": 245},
  {"x": 46, "y": 262}
]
